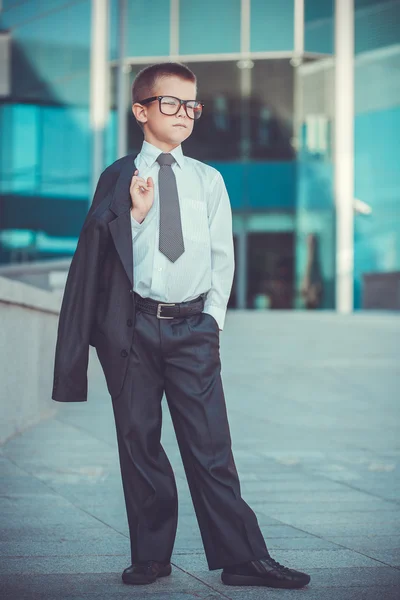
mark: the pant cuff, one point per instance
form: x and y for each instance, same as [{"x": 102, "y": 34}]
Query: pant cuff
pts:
[{"x": 239, "y": 561}]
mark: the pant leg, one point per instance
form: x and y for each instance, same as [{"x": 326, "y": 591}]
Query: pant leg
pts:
[
  {"x": 147, "y": 477},
  {"x": 193, "y": 387}
]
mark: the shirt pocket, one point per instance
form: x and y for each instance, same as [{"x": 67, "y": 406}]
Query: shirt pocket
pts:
[{"x": 195, "y": 220}]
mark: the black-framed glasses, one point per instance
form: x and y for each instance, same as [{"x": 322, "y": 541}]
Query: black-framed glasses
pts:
[{"x": 170, "y": 105}]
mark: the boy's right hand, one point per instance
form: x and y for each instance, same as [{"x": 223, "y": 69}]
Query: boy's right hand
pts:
[{"x": 142, "y": 196}]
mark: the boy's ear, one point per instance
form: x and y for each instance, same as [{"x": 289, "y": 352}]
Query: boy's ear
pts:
[{"x": 139, "y": 112}]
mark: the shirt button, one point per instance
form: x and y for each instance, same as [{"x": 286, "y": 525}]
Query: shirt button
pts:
[
  {"x": 124, "y": 353},
  {"x": 160, "y": 268},
  {"x": 129, "y": 322}
]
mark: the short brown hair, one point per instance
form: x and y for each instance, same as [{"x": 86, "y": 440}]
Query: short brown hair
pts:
[{"x": 145, "y": 81}]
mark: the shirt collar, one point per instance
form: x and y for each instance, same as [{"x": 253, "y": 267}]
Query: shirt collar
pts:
[{"x": 150, "y": 153}]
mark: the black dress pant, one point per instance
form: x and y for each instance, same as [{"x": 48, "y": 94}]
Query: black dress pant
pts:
[{"x": 181, "y": 357}]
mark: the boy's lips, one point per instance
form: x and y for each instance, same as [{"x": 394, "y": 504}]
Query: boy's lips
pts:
[{"x": 180, "y": 125}]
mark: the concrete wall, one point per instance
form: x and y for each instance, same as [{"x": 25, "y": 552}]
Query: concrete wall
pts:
[
  {"x": 49, "y": 275},
  {"x": 28, "y": 327}
]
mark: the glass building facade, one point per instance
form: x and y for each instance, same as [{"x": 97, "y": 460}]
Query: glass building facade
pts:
[{"x": 266, "y": 73}]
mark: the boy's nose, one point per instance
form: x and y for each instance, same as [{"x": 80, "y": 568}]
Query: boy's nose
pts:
[{"x": 181, "y": 110}]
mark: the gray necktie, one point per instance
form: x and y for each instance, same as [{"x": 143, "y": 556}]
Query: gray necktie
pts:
[{"x": 171, "y": 237}]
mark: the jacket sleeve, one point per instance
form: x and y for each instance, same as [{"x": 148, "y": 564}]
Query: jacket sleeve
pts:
[{"x": 78, "y": 311}]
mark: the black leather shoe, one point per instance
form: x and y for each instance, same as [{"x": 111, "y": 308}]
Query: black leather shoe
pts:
[
  {"x": 265, "y": 571},
  {"x": 146, "y": 572}
]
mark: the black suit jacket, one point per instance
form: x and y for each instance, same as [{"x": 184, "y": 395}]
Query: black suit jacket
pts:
[{"x": 98, "y": 304}]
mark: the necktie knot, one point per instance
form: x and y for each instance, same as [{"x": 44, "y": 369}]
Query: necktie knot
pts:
[{"x": 165, "y": 159}]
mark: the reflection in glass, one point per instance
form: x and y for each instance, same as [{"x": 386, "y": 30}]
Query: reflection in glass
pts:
[{"x": 315, "y": 211}]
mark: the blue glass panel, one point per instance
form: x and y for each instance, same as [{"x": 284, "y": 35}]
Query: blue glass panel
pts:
[
  {"x": 113, "y": 30},
  {"x": 147, "y": 27},
  {"x": 49, "y": 52},
  {"x": 65, "y": 153},
  {"x": 316, "y": 216},
  {"x": 8, "y": 4},
  {"x": 377, "y": 26},
  {"x": 208, "y": 27},
  {"x": 269, "y": 185},
  {"x": 45, "y": 150},
  {"x": 315, "y": 181},
  {"x": 19, "y": 166},
  {"x": 377, "y": 151},
  {"x": 365, "y": 3},
  {"x": 272, "y": 25},
  {"x": 376, "y": 247},
  {"x": 24, "y": 147},
  {"x": 315, "y": 10},
  {"x": 111, "y": 138},
  {"x": 65, "y": 25},
  {"x": 319, "y": 26},
  {"x": 278, "y": 185},
  {"x": 6, "y": 172},
  {"x": 14, "y": 13},
  {"x": 232, "y": 173},
  {"x": 377, "y": 182}
]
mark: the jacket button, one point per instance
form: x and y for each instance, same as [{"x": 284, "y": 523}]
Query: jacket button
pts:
[
  {"x": 129, "y": 322},
  {"x": 124, "y": 353}
]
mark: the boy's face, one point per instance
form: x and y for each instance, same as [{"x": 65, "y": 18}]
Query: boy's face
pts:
[{"x": 167, "y": 130}]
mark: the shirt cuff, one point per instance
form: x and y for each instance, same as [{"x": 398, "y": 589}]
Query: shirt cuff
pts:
[
  {"x": 216, "y": 312},
  {"x": 136, "y": 226}
]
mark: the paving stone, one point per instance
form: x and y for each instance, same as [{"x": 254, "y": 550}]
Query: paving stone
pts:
[
  {"x": 301, "y": 543},
  {"x": 302, "y": 560},
  {"x": 88, "y": 563},
  {"x": 389, "y": 557},
  {"x": 65, "y": 532},
  {"x": 373, "y": 517},
  {"x": 365, "y": 542},
  {"x": 282, "y": 531},
  {"x": 103, "y": 586},
  {"x": 118, "y": 545},
  {"x": 338, "y": 505},
  {"x": 324, "y": 581},
  {"x": 348, "y": 529},
  {"x": 383, "y": 592},
  {"x": 354, "y": 576}
]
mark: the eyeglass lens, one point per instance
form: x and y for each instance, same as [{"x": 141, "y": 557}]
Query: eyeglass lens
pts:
[{"x": 171, "y": 105}]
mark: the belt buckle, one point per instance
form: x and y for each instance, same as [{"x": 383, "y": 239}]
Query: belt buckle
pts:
[{"x": 160, "y": 305}]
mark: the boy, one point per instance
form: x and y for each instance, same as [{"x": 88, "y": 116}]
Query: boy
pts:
[{"x": 148, "y": 286}]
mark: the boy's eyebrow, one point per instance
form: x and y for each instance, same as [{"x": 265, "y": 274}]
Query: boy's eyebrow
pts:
[{"x": 172, "y": 95}]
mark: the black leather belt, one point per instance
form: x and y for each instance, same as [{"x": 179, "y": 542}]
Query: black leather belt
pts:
[{"x": 163, "y": 310}]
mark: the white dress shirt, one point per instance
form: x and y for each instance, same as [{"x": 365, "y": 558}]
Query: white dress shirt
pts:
[{"x": 207, "y": 264}]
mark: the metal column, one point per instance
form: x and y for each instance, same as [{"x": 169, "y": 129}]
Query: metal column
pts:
[
  {"x": 99, "y": 92},
  {"x": 123, "y": 70},
  {"x": 241, "y": 269},
  {"x": 344, "y": 153},
  {"x": 245, "y": 65},
  {"x": 298, "y": 31}
]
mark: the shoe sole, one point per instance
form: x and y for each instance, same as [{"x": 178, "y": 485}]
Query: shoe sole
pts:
[
  {"x": 138, "y": 580},
  {"x": 231, "y": 579}
]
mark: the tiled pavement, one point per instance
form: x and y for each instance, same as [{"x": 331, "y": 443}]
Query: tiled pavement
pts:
[{"x": 313, "y": 402}]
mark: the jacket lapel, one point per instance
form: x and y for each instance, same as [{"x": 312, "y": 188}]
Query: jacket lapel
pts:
[{"x": 120, "y": 228}]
